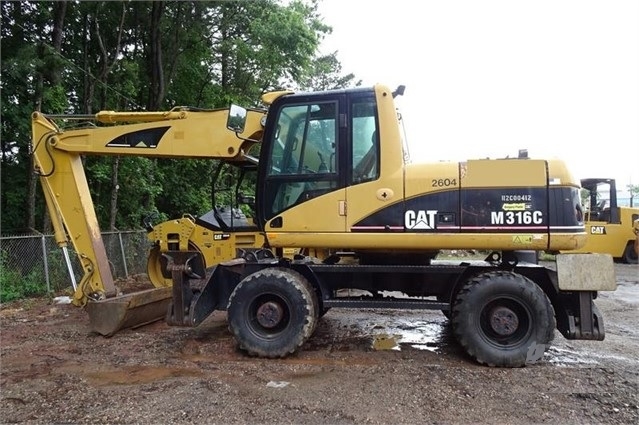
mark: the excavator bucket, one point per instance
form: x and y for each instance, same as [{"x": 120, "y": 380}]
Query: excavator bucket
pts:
[{"x": 111, "y": 315}]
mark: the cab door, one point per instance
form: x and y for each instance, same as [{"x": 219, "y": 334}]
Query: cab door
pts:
[
  {"x": 375, "y": 174},
  {"x": 302, "y": 197}
]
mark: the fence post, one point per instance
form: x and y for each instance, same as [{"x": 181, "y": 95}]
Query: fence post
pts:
[
  {"x": 126, "y": 271},
  {"x": 46, "y": 263}
]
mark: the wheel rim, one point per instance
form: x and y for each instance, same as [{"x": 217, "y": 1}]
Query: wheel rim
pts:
[
  {"x": 268, "y": 315},
  {"x": 505, "y": 322}
]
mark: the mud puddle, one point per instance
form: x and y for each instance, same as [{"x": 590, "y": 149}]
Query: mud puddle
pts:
[
  {"x": 397, "y": 330},
  {"x": 418, "y": 334}
]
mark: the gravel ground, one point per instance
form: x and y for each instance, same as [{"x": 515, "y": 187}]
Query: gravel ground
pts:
[{"x": 360, "y": 366}]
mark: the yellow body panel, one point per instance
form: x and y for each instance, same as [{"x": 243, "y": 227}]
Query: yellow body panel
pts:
[
  {"x": 318, "y": 222},
  {"x": 420, "y": 177},
  {"x": 184, "y": 234},
  {"x": 319, "y": 215},
  {"x": 610, "y": 238},
  {"x": 503, "y": 173}
]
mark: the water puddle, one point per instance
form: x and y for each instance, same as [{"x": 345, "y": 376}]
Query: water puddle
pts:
[{"x": 418, "y": 334}]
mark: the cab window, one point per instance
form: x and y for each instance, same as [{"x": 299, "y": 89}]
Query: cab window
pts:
[
  {"x": 365, "y": 147},
  {"x": 303, "y": 157}
]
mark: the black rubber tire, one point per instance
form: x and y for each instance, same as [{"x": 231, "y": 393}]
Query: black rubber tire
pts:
[
  {"x": 274, "y": 290},
  {"x": 629, "y": 254},
  {"x": 499, "y": 316}
]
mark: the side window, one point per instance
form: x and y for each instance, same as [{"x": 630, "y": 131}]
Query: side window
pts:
[
  {"x": 365, "y": 153},
  {"x": 303, "y": 157}
]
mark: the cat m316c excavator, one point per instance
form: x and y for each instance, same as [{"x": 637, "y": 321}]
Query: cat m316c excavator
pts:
[{"x": 333, "y": 173}]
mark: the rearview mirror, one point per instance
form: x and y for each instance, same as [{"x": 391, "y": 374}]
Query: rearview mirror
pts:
[{"x": 237, "y": 119}]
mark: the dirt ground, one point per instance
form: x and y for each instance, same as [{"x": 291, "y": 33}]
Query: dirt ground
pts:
[{"x": 360, "y": 366}]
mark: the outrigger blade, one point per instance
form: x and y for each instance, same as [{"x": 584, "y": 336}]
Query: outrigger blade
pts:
[{"x": 110, "y": 315}]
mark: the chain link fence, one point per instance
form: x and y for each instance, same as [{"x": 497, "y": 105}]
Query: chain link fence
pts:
[{"x": 31, "y": 265}]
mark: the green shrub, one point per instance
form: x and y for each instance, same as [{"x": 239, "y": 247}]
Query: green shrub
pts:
[{"x": 13, "y": 285}]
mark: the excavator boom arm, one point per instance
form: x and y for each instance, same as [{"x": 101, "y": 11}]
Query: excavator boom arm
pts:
[
  {"x": 57, "y": 156},
  {"x": 185, "y": 134}
]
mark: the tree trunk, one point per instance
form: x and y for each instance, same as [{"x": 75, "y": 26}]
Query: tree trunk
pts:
[
  {"x": 156, "y": 88},
  {"x": 115, "y": 166},
  {"x": 107, "y": 65},
  {"x": 105, "y": 70},
  {"x": 88, "y": 81},
  {"x": 59, "y": 11}
]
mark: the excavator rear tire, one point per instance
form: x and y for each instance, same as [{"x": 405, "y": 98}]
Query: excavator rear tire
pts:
[
  {"x": 503, "y": 319},
  {"x": 272, "y": 312}
]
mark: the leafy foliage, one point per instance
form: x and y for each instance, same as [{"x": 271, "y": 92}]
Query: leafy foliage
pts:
[
  {"x": 13, "y": 285},
  {"x": 86, "y": 56}
]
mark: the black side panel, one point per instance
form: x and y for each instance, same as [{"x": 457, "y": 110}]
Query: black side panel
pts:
[
  {"x": 139, "y": 139},
  {"x": 503, "y": 210}
]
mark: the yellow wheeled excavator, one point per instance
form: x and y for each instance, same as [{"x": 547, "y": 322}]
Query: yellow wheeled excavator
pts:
[
  {"x": 334, "y": 173},
  {"x": 610, "y": 226}
]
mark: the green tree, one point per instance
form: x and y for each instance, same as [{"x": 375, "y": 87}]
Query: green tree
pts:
[
  {"x": 81, "y": 57},
  {"x": 31, "y": 69},
  {"x": 326, "y": 74}
]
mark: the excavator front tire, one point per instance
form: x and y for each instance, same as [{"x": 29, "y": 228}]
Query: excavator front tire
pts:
[{"x": 272, "y": 312}]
